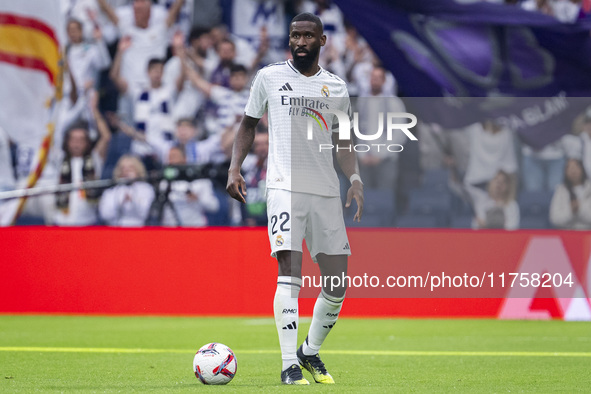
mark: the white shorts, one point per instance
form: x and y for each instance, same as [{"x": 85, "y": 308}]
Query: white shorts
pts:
[{"x": 294, "y": 217}]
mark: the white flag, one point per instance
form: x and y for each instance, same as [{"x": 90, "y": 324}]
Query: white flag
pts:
[{"x": 30, "y": 80}]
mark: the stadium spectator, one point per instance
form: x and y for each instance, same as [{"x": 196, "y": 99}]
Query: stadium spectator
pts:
[
  {"x": 254, "y": 212},
  {"x": 76, "y": 107},
  {"x": 152, "y": 117},
  {"x": 378, "y": 169},
  {"x": 247, "y": 19},
  {"x": 356, "y": 52},
  {"x": 127, "y": 205},
  {"x": 230, "y": 102},
  {"x": 198, "y": 151},
  {"x": 496, "y": 208},
  {"x": 85, "y": 59},
  {"x": 184, "y": 19},
  {"x": 226, "y": 52},
  {"x": 201, "y": 50},
  {"x": 541, "y": 170},
  {"x": 571, "y": 204},
  {"x": 202, "y": 57},
  {"x": 146, "y": 27},
  {"x": 190, "y": 199},
  {"x": 89, "y": 14},
  {"x": 360, "y": 76},
  {"x": 492, "y": 148},
  {"x": 82, "y": 162}
]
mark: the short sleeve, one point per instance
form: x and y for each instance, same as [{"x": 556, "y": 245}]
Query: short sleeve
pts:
[
  {"x": 344, "y": 106},
  {"x": 257, "y": 101}
]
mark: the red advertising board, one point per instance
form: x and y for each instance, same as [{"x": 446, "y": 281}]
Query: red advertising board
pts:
[{"x": 228, "y": 271}]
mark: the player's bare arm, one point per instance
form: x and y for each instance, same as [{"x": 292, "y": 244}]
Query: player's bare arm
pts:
[
  {"x": 236, "y": 186},
  {"x": 348, "y": 162}
]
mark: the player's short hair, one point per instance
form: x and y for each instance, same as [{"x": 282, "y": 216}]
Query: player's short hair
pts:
[
  {"x": 308, "y": 17},
  {"x": 197, "y": 32},
  {"x": 155, "y": 61},
  {"x": 238, "y": 68}
]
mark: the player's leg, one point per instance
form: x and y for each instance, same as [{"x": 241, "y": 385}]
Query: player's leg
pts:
[
  {"x": 328, "y": 243},
  {"x": 285, "y": 231},
  {"x": 285, "y": 304},
  {"x": 333, "y": 269},
  {"x": 329, "y": 302},
  {"x": 286, "y": 310}
]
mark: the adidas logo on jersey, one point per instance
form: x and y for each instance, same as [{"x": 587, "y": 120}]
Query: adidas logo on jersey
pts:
[
  {"x": 291, "y": 326},
  {"x": 347, "y": 246},
  {"x": 286, "y": 87}
]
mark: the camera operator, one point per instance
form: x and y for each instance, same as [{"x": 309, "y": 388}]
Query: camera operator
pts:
[{"x": 190, "y": 199}]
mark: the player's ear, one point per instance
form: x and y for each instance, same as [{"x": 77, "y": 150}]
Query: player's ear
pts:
[{"x": 322, "y": 40}]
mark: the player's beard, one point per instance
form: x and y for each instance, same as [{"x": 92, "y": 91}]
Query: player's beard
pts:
[{"x": 305, "y": 63}]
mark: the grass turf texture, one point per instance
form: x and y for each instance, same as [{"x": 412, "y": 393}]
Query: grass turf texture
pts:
[{"x": 87, "y": 353}]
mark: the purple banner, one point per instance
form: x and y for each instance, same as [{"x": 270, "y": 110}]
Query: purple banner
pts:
[{"x": 477, "y": 49}]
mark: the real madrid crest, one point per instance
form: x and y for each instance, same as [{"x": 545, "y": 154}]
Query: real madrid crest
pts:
[
  {"x": 279, "y": 240},
  {"x": 325, "y": 91}
]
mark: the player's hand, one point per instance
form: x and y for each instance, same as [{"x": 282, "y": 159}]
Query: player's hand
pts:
[
  {"x": 236, "y": 186},
  {"x": 356, "y": 192}
]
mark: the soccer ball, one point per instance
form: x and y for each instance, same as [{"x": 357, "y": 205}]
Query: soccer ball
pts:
[{"x": 214, "y": 363}]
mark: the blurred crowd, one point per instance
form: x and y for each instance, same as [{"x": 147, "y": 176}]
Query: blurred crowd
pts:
[{"x": 151, "y": 84}]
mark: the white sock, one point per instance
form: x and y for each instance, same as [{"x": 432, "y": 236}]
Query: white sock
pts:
[
  {"x": 326, "y": 313},
  {"x": 285, "y": 307}
]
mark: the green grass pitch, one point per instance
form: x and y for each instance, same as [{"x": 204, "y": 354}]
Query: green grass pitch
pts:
[{"x": 139, "y": 354}]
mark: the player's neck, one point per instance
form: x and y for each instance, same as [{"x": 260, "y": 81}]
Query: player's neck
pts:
[{"x": 309, "y": 71}]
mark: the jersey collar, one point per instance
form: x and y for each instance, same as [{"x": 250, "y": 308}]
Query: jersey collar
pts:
[{"x": 297, "y": 72}]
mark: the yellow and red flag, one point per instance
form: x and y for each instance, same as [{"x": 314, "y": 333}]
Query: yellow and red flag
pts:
[{"x": 30, "y": 76}]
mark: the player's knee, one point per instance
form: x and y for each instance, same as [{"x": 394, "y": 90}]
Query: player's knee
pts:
[
  {"x": 290, "y": 264},
  {"x": 335, "y": 285},
  {"x": 334, "y": 290},
  {"x": 332, "y": 299}
]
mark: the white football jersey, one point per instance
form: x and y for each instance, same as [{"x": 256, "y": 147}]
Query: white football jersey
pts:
[{"x": 296, "y": 162}]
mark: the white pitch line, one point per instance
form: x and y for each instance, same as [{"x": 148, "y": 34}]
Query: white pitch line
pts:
[{"x": 427, "y": 353}]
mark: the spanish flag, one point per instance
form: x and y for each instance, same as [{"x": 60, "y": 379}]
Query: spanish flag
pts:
[
  {"x": 29, "y": 43},
  {"x": 30, "y": 77}
]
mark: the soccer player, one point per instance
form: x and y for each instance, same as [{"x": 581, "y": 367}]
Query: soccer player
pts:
[{"x": 302, "y": 189}]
